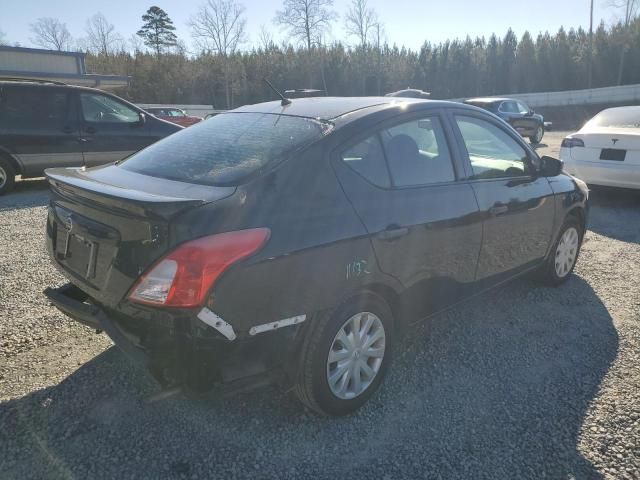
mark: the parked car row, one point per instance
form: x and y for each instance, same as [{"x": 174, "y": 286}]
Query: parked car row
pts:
[{"x": 291, "y": 241}]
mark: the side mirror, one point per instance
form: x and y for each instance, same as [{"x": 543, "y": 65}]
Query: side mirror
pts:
[
  {"x": 531, "y": 111},
  {"x": 550, "y": 166},
  {"x": 142, "y": 119}
]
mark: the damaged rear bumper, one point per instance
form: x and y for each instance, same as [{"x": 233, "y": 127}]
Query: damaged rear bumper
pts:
[
  {"x": 71, "y": 301},
  {"x": 193, "y": 350}
]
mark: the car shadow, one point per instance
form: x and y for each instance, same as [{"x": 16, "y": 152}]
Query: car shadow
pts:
[
  {"x": 615, "y": 213},
  {"x": 26, "y": 194},
  {"x": 495, "y": 388}
]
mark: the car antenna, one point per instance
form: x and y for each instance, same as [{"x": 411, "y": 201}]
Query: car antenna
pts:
[{"x": 285, "y": 101}]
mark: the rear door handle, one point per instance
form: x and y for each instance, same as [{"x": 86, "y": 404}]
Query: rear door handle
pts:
[
  {"x": 498, "y": 209},
  {"x": 91, "y": 130},
  {"x": 67, "y": 129},
  {"x": 393, "y": 233}
]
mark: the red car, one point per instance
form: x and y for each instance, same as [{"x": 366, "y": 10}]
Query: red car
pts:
[{"x": 174, "y": 115}]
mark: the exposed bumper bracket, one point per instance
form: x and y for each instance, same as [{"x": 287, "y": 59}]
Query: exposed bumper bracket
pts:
[{"x": 213, "y": 320}]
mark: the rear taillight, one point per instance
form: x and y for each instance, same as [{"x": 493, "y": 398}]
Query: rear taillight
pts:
[
  {"x": 184, "y": 276},
  {"x": 570, "y": 142}
]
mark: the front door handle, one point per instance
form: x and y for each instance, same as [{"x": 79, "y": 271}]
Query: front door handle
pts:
[
  {"x": 393, "y": 233},
  {"x": 498, "y": 209},
  {"x": 91, "y": 130}
]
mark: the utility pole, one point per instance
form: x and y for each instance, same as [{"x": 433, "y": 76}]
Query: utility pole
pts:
[{"x": 590, "y": 67}]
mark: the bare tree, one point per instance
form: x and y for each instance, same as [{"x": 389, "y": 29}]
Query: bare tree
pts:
[
  {"x": 220, "y": 27},
  {"x": 306, "y": 20},
  {"x": 50, "y": 33},
  {"x": 265, "y": 37},
  {"x": 102, "y": 37},
  {"x": 629, "y": 10},
  {"x": 361, "y": 21},
  {"x": 2, "y": 39}
]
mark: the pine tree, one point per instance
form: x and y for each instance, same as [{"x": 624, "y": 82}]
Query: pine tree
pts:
[{"x": 157, "y": 30}]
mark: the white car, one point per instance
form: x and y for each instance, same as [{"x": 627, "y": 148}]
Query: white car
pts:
[{"x": 606, "y": 151}]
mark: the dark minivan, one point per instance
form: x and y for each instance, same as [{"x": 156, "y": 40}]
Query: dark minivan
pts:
[
  {"x": 44, "y": 124},
  {"x": 291, "y": 242}
]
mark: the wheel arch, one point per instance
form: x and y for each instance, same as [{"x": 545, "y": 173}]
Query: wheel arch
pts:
[
  {"x": 12, "y": 161},
  {"x": 580, "y": 214}
]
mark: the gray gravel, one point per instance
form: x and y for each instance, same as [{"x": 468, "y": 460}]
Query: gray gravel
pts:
[{"x": 527, "y": 382}]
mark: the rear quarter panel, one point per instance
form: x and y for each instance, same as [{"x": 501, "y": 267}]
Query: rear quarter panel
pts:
[{"x": 318, "y": 255}]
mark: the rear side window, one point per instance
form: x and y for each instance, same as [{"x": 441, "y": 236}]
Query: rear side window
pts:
[
  {"x": 226, "y": 149},
  {"x": 34, "y": 108},
  {"x": 367, "y": 158}
]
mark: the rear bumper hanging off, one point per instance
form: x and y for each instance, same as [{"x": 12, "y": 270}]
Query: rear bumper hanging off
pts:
[{"x": 70, "y": 300}]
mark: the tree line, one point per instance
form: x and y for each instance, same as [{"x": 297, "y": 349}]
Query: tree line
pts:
[{"x": 224, "y": 72}]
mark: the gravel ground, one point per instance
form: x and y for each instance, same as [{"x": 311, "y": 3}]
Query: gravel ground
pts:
[{"x": 527, "y": 382}]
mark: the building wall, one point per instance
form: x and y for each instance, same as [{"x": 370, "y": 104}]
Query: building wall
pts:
[{"x": 19, "y": 60}]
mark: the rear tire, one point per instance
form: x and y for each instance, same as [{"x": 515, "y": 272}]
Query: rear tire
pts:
[
  {"x": 7, "y": 176},
  {"x": 564, "y": 254},
  {"x": 345, "y": 356},
  {"x": 537, "y": 137}
]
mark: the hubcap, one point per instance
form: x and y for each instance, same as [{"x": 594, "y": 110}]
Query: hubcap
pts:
[
  {"x": 567, "y": 252},
  {"x": 3, "y": 177},
  {"x": 538, "y": 134},
  {"x": 355, "y": 355}
]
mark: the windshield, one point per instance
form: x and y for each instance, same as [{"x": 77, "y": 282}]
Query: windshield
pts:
[
  {"x": 628, "y": 117},
  {"x": 226, "y": 149}
]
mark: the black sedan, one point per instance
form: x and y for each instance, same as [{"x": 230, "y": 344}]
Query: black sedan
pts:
[
  {"x": 292, "y": 242},
  {"x": 515, "y": 112}
]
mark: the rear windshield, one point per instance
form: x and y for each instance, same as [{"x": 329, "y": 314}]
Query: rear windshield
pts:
[
  {"x": 226, "y": 149},
  {"x": 617, "y": 118}
]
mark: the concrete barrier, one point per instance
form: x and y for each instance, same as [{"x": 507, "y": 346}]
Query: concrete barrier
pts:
[{"x": 594, "y": 96}]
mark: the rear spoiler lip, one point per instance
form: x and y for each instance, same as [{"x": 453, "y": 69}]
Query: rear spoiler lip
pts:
[{"x": 123, "y": 192}]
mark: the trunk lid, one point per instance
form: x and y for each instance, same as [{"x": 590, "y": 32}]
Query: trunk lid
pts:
[
  {"x": 107, "y": 225},
  {"x": 601, "y": 145}
]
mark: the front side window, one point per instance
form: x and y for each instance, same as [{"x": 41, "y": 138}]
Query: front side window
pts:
[
  {"x": 29, "y": 107},
  {"x": 98, "y": 108},
  {"x": 492, "y": 151},
  {"x": 417, "y": 153},
  {"x": 226, "y": 149},
  {"x": 522, "y": 108}
]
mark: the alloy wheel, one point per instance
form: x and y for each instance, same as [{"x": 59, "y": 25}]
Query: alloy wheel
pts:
[
  {"x": 3, "y": 177},
  {"x": 356, "y": 355},
  {"x": 567, "y": 252}
]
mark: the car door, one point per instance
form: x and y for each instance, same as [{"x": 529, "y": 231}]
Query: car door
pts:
[
  {"x": 40, "y": 128},
  {"x": 423, "y": 224},
  {"x": 111, "y": 130},
  {"x": 516, "y": 204},
  {"x": 523, "y": 121}
]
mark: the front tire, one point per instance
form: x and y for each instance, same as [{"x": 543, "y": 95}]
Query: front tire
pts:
[
  {"x": 7, "y": 176},
  {"x": 537, "y": 137},
  {"x": 564, "y": 255},
  {"x": 345, "y": 356}
]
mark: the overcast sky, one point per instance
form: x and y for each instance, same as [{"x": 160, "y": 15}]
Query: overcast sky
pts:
[{"x": 407, "y": 22}]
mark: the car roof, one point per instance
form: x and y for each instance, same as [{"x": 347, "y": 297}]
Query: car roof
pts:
[{"x": 332, "y": 108}]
